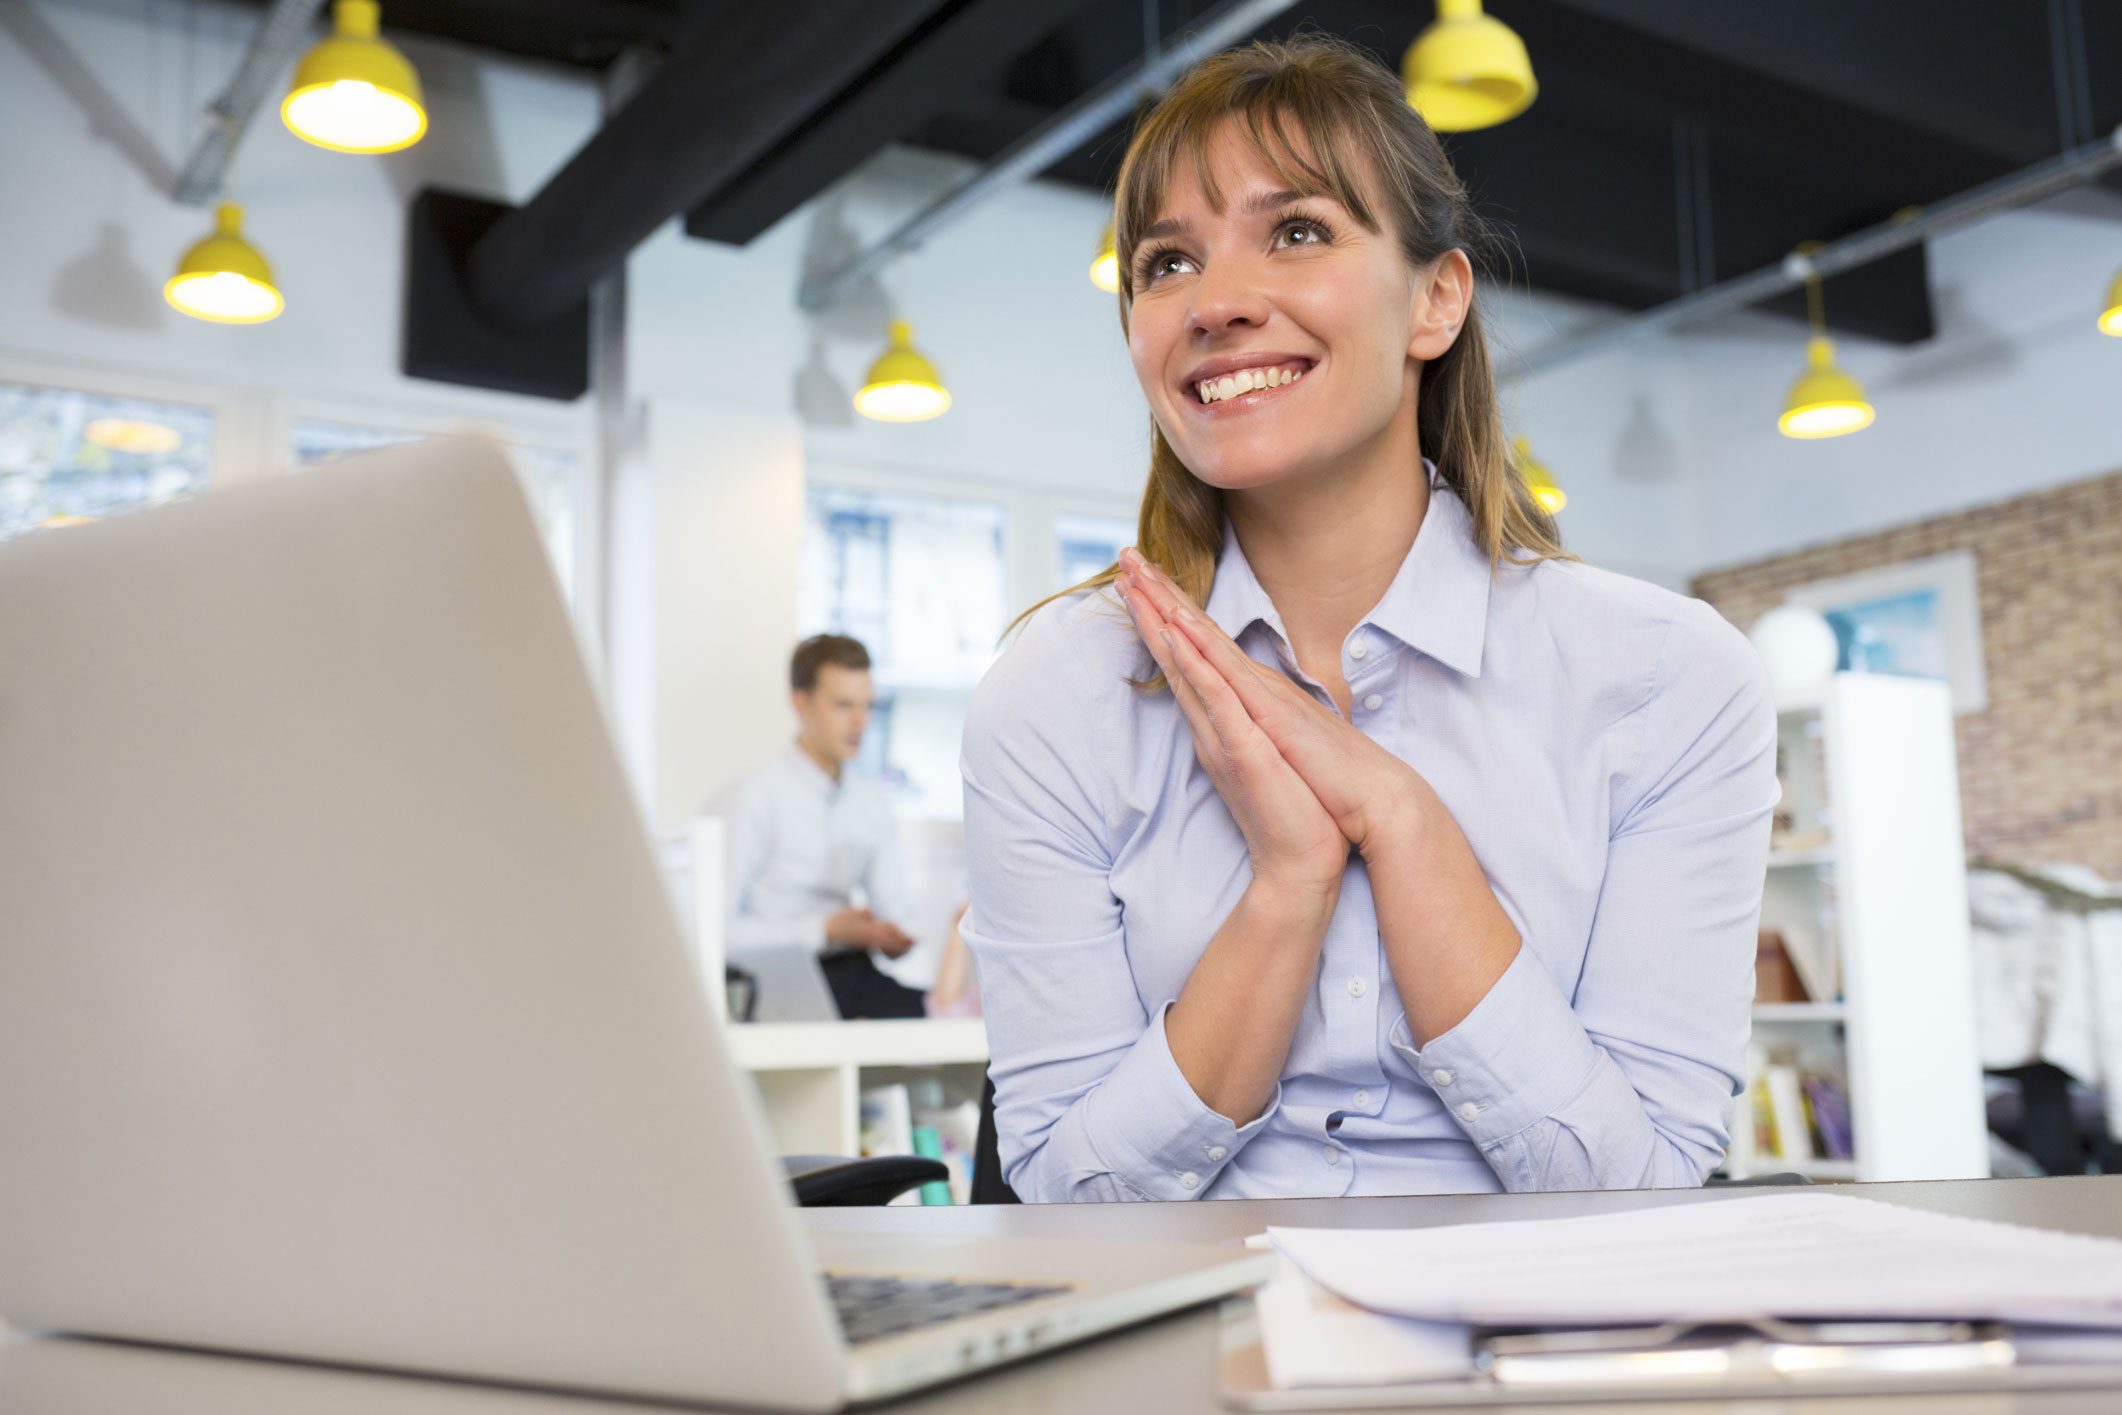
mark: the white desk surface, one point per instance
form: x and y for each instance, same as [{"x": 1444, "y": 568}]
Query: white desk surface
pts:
[{"x": 1164, "y": 1367}]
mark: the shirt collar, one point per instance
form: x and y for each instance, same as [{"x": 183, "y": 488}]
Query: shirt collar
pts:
[{"x": 1437, "y": 604}]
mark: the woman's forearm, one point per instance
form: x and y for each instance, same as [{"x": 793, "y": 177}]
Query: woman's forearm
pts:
[
  {"x": 1446, "y": 938},
  {"x": 1231, "y": 1028}
]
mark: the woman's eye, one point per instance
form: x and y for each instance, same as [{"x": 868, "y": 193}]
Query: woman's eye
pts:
[
  {"x": 1302, "y": 233},
  {"x": 1165, "y": 263}
]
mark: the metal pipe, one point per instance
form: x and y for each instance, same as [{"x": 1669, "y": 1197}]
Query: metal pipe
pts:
[
  {"x": 2067, "y": 169},
  {"x": 1043, "y": 146},
  {"x": 282, "y": 32}
]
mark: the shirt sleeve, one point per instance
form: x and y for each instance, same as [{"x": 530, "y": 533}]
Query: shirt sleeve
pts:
[
  {"x": 1624, "y": 1076},
  {"x": 1089, "y": 1104},
  {"x": 751, "y": 842}
]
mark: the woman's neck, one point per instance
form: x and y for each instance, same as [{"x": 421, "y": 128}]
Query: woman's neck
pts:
[{"x": 1326, "y": 543}]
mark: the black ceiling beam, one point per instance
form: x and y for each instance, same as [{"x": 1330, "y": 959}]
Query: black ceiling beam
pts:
[
  {"x": 901, "y": 92},
  {"x": 740, "y": 81}
]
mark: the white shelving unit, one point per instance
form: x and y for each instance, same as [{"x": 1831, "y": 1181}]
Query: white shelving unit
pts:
[
  {"x": 1885, "y": 901},
  {"x": 810, "y": 1074}
]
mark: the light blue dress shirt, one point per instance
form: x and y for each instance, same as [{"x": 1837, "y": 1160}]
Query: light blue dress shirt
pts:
[{"x": 1608, "y": 747}]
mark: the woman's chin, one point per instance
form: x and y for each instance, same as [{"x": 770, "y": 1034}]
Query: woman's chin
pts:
[{"x": 1250, "y": 472}]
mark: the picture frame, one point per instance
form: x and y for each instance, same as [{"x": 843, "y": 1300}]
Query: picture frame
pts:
[{"x": 1922, "y": 618}]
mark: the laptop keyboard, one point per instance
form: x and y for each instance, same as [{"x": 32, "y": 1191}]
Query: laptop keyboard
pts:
[{"x": 873, "y": 1307}]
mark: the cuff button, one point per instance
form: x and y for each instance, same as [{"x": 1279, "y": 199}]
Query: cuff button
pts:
[{"x": 1189, "y": 1180}]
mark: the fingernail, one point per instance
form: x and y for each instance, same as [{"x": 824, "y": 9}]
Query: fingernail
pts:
[
  {"x": 1125, "y": 581},
  {"x": 1182, "y": 612}
]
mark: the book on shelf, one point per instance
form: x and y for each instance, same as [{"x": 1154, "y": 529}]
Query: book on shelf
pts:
[{"x": 1800, "y": 1111}]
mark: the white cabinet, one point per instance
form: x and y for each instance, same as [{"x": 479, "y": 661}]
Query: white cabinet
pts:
[
  {"x": 810, "y": 1074},
  {"x": 1884, "y": 900}
]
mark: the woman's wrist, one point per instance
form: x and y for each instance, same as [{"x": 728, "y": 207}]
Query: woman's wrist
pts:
[{"x": 1303, "y": 906}]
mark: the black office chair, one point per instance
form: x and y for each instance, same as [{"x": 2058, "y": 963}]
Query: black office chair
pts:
[
  {"x": 837, "y": 1182},
  {"x": 989, "y": 1187}
]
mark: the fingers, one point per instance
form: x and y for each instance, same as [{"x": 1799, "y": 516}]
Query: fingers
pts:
[{"x": 1265, "y": 692}]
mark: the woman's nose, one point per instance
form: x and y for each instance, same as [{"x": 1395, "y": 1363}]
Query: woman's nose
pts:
[{"x": 1228, "y": 296}]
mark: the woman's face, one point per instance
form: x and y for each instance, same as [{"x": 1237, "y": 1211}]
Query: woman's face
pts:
[{"x": 1278, "y": 335}]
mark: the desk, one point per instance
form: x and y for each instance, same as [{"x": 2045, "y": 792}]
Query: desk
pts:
[{"x": 1164, "y": 1367}]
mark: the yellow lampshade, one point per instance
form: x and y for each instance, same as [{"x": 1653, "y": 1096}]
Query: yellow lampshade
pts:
[
  {"x": 1824, "y": 402},
  {"x": 133, "y": 435},
  {"x": 223, "y": 278},
  {"x": 2111, "y": 318},
  {"x": 903, "y": 386},
  {"x": 1538, "y": 479},
  {"x": 1105, "y": 267},
  {"x": 355, "y": 92},
  {"x": 1468, "y": 70}
]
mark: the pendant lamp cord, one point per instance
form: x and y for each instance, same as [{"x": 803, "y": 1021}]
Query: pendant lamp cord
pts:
[{"x": 1815, "y": 301}]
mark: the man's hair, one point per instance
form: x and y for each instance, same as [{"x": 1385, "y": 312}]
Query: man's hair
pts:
[{"x": 817, "y": 651}]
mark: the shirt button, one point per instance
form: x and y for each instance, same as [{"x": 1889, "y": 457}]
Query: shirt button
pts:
[
  {"x": 1359, "y": 649},
  {"x": 1333, "y": 1156},
  {"x": 1357, "y": 987},
  {"x": 1441, "y": 1078},
  {"x": 1362, "y": 1098},
  {"x": 1189, "y": 1180},
  {"x": 1216, "y": 1152},
  {"x": 1374, "y": 701},
  {"x": 1469, "y": 1111}
]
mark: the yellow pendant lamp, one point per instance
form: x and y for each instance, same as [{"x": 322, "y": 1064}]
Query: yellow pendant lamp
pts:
[
  {"x": 132, "y": 435},
  {"x": 2111, "y": 318},
  {"x": 1538, "y": 479},
  {"x": 355, "y": 92},
  {"x": 1468, "y": 70},
  {"x": 1825, "y": 401},
  {"x": 902, "y": 386},
  {"x": 1105, "y": 268},
  {"x": 223, "y": 278}
]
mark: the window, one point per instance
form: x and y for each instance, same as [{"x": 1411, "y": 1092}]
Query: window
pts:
[
  {"x": 66, "y": 455},
  {"x": 920, "y": 580},
  {"x": 548, "y": 475},
  {"x": 1088, "y": 544}
]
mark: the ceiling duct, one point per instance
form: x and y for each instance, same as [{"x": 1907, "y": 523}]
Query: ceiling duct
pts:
[{"x": 742, "y": 79}]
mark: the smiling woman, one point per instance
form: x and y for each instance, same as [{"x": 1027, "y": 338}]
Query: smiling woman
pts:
[{"x": 1347, "y": 836}]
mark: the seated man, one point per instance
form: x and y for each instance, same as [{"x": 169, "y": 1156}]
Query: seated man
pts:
[{"x": 810, "y": 829}]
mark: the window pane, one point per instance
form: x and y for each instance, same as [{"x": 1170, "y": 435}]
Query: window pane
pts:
[
  {"x": 918, "y": 579},
  {"x": 68, "y": 455},
  {"x": 548, "y": 476},
  {"x": 1089, "y": 544}
]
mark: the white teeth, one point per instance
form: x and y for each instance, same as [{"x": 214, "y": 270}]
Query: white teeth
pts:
[{"x": 1230, "y": 385}]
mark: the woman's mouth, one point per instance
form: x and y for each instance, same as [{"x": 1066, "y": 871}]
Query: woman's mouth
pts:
[{"x": 1246, "y": 382}]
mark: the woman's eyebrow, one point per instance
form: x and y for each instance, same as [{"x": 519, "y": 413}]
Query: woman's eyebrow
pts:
[{"x": 1253, "y": 205}]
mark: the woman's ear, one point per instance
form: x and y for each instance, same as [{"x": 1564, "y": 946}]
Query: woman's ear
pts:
[{"x": 1444, "y": 292}]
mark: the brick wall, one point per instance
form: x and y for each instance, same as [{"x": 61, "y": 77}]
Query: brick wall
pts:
[{"x": 2041, "y": 769}]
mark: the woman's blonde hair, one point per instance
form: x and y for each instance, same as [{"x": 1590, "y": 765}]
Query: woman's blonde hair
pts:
[{"x": 1323, "y": 114}]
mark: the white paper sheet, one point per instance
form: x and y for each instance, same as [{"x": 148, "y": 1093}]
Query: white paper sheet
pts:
[
  {"x": 1780, "y": 1255},
  {"x": 1313, "y": 1338}
]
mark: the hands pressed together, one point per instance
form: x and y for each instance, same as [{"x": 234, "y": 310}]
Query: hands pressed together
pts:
[{"x": 1304, "y": 785}]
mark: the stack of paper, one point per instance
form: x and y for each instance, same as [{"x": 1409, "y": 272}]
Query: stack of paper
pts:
[{"x": 1400, "y": 1304}]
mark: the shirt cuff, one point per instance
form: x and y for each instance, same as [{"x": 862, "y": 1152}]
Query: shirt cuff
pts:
[
  {"x": 810, "y": 932},
  {"x": 1519, "y": 1057},
  {"x": 1148, "y": 1124}
]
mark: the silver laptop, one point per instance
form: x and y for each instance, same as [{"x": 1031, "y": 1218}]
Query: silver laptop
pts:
[{"x": 342, "y": 1012}]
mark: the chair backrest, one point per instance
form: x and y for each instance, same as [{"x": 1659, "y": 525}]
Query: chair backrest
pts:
[{"x": 989, "y": 1187}]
